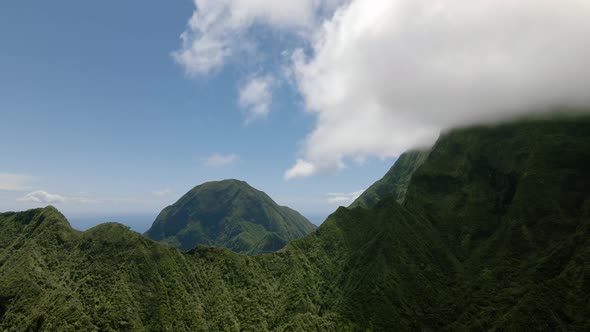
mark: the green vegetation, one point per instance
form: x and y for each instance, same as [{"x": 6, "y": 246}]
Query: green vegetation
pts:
[
  {"x": 228, "y": 214},
  {"x": 512, "y": 204},
  {"x": 395, "y": 182},
  {"x": 493, "y": 234},
  {"x": 110, "y": 278}
]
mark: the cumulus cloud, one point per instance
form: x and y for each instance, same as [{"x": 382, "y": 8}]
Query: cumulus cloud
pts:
[
  {"x": 343, "y": 199},
  {"x": 218, "y": 29},
  {"x": 14, "y": 182},
  {"x": 256, "y": 97},
  {"x": 218, "y": 160},
  {"x": 385, "y": 76},
  {"x": 302, "y": 168},
  {"x": 44, "y": 197}
]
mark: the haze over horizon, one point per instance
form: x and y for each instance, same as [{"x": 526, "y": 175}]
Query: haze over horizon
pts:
[{"x": 108, "y": 117}]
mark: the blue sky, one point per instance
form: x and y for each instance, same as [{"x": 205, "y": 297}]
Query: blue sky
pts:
[
  {"x": 96, "y": 111},
  {"x": 111, "y": 110}
]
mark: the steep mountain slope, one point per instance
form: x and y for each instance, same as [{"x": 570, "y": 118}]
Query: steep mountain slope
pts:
[
  {"x": 228, "y": 214},
  {"x": 493, "y": 234},
  {"x": 512, "y": 202},
  {"x": 340, "y": 278},
  {"x": 395, "y": 182}
]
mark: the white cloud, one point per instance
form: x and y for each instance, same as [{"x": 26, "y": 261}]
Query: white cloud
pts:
[
  {"x": 41, "y": 196},
  {"x": 202, "y": 56},
  {"x": 217, "y": 160},
  {"x": 44, "y": 197},
  {"x": 301, "y": 169},
  {"x": 385, "y": 76},
  {"x": 256, "y": 97},
  {"x": 343, "y": 199},
  {"x": 162, "y": 192},
  {"x": 218, "y": 29},
  {"x": 14, "y": 182}
]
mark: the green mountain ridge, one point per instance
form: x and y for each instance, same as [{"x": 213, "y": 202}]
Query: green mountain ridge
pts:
[
  {"x": 395, "y": 182},
  {"x": 230, "y": 214},
  {"x": 492, "y": 234}
]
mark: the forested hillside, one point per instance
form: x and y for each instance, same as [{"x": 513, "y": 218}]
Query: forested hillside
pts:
[
  {"x": 229, "y": 214},
  {"x": 493, "y": 234}
]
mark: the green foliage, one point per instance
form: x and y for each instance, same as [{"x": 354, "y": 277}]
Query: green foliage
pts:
[
  {"x": 228, "y": 214},
  {"x": 395, "y": 182},
  {"x": 509, "y": 202},
  {"x": 493, "y": 234}
]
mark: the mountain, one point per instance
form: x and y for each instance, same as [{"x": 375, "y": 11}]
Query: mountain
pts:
[
  {"x": 512, "y": 204},
  {"x": 344, "y": 277},
  {"x": 493, "y": 234},
  {"x": 395, "y": 182},
  {"x": 228, "y": 214}
]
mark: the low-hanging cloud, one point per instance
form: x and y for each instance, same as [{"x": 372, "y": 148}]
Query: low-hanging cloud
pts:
[{"x": 385, "y": 76}]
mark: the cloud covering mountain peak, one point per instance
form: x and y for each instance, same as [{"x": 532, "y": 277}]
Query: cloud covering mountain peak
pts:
[{"x": 385, "y": 76}]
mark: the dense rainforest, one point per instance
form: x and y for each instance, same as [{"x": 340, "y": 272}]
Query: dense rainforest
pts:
[
  {"x": 487, "y": 230},
  {"x": 229, "y": 214}
]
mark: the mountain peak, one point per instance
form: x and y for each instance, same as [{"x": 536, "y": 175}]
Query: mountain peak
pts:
[
  {"x": 228, "y": 213},
  {"x": 226, "y": 181}
]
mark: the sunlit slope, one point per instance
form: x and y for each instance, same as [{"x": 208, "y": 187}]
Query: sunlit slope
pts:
[
  {"x": 228, "y": 214},
  {"x": 395, "y": 182}
]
